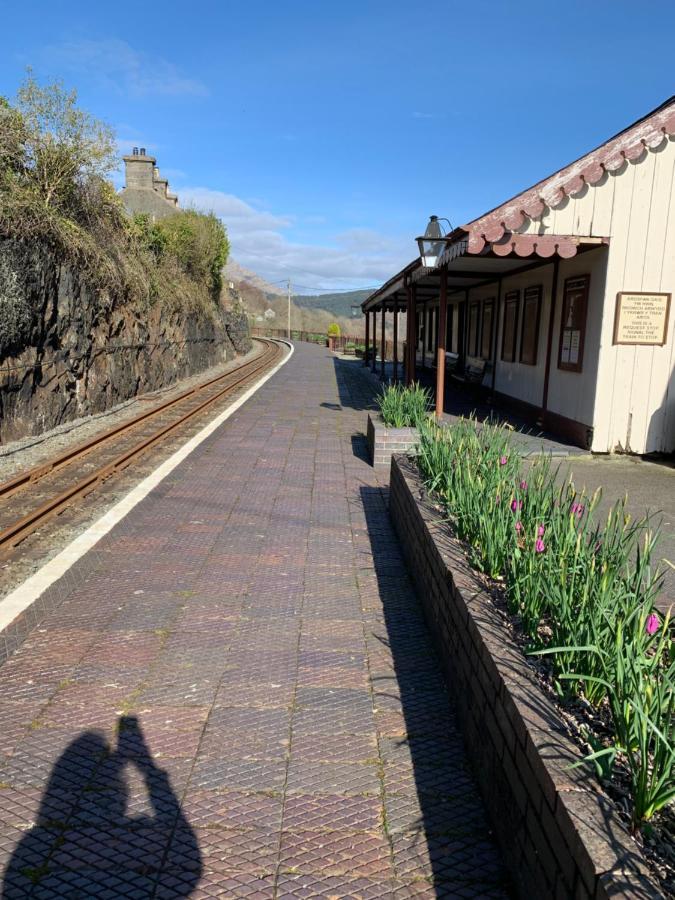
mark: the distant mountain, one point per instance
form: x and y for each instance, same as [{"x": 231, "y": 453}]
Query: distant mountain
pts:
[
  {"x": 309, "y": 311},
  {"x": 339, "y": 304},
  {"x": 234, "y": 272}
]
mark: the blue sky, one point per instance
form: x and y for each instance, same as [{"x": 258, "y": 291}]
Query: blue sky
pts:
[{"x": 325, "y": 134}]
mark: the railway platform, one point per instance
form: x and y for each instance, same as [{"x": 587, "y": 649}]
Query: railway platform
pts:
[{"x": 234, "y": 693}]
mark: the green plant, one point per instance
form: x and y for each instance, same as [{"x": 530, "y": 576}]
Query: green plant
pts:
[
  {"x": 333, "y": 330},
  {"x": 585, "y": 593},
  {"x": 198, "y": 241},
  {"x": 62, "y": 144},
  {"x": 54, "y": 197},
  {"x": 637, "y": 674},
  {"x": 404, "y": 407}
]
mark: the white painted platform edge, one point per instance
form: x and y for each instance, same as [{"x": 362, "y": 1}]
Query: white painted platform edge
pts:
[{"x": 18, "y": 600}]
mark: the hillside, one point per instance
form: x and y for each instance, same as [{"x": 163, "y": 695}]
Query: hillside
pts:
[
  {"x": 338, "y": 304},
  {"x": 310, "y": 312},
  {"x": 234, "y": 272}
]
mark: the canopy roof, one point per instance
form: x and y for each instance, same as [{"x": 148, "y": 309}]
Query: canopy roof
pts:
[
  {"x": 514, "y": 253},
  {"x": 492, "y": 246}
]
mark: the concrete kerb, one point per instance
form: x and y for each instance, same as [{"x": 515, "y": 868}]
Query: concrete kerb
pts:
[
  {"x": 560, "y": 836},
  {"x": 15, "y": 605}
]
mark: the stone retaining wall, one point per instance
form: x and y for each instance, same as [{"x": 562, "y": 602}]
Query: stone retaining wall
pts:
[{"x": 560, "y": 835}]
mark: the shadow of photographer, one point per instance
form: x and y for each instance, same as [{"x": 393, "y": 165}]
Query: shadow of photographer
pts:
[{"x": 99, "y": 848}]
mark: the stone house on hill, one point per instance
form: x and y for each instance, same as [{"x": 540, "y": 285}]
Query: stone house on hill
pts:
[{"x": 145, "y": 191}]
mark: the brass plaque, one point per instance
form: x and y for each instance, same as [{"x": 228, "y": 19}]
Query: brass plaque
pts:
[{"x": 641, "y": 318}]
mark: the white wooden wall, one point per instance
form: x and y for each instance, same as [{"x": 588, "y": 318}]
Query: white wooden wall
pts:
[{"x": 634, "y": 400}]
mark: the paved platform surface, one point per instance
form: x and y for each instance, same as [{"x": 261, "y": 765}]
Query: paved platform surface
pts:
[{"x": 237, "y": 696}]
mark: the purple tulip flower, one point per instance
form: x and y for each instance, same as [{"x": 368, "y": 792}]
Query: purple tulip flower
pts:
[{"x": 653, "y": 624}]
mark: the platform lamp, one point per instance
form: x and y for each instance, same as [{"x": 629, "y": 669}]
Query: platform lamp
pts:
[{"x": 432, "y": 242}]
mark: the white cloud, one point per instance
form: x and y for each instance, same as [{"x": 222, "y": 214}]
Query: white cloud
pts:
[
  {"x": 124, "y": 69},
  {"x": 236, "y": 213},
  {"x": 358, "y": 257}
]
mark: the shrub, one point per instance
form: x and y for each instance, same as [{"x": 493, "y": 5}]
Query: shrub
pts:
[
  {"x": 404, "y": 407},
  {"x": 199, "y": 243},
  {"x": 53, "y": 193},
  {"x": 584, "y": 593},
  {"x": 62, "y": 145},
  {"x": 333, "y": 330}
]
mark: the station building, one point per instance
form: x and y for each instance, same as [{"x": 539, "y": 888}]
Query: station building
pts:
[{"x": 557, "y": 303}]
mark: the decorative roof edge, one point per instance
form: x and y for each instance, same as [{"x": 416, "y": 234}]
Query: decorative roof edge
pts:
[{"x": 646, "y": 134}]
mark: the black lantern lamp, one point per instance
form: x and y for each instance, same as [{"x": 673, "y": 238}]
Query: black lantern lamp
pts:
[{"x": 433, "y": 241}]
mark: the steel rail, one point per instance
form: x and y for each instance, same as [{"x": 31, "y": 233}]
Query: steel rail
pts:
[
  {"x": 34, "y": 474},
  {"x": 23, "y": 527}
]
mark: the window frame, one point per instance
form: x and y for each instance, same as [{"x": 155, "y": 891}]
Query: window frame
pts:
[
  {"x": 487, "y": 304},
  {"x": 536, "y": 293},
  {"x": 449, "y": 327},
  {"x": 473, "y": 347},
  {"x": 511, "y": 299},
  {"x": 574, "y": 282}
]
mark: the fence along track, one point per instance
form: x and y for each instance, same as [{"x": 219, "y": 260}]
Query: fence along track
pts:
[{"x": 20, "y": 529}]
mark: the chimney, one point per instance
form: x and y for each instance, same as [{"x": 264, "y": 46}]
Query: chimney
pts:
[
  {"x": 161, "y": 185},
  {"x": 139, "y": 170}
]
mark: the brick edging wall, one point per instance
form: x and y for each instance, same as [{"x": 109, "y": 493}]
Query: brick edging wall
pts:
[
  {"x": 383, "y": 442},
  {"x": 559, "y": 834}
]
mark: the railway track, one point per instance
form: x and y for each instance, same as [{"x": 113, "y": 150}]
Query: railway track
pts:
[{"x": 32, "y": 498}]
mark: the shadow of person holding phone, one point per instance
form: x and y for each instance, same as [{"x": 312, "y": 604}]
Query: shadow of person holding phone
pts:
[{"x": 85, "y": 843}]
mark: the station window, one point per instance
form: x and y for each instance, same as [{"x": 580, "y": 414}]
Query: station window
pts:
[
  {"x": 510, "y": 331},
  {"x": 529, "y": 335},
  {"x": 487, "y": 328},
  {"x": 433, "y": 326},
  {"x": 573, "y": 324},
  {"x": 474, "y": 312}
]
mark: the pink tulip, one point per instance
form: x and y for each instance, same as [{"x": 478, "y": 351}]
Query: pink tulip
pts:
[
  {"x": 578, "y": 509},
  {"x": 540, "y": 546},
  {"x": 516, "y": 505},
  {"x": 503, "y": 460},
  {"x": 653, "y": 624},
  {"x": 519, "y": 527},
  {"x": 523, "y": 485},
  {"x": 540, "y": 531}
]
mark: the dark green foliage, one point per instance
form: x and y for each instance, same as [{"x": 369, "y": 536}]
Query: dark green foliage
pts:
[
  {"x": 54, "y": 196},
  {"x": 337, "y": 304}
]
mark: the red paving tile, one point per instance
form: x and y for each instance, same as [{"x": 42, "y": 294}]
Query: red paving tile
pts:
[{"x": 237, "y": 697}]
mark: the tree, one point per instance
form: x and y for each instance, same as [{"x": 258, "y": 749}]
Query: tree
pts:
[
  {"x": 63, "y": 145},
  {"x": 12, "y": 138},
  {"x": 199, "y": 242},
  {"x": 333, "y": 330}
]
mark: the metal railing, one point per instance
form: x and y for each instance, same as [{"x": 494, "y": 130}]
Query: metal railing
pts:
[{"x": 344, "y": 343}]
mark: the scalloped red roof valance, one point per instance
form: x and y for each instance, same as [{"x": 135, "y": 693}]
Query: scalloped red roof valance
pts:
[{"x": 630, "y": 145}]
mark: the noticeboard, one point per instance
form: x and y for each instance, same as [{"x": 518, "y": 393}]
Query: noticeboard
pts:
[{"x": 641, "y": 318}]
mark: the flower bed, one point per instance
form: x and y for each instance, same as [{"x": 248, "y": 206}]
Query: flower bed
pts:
[
  {"x": 560, "y": 834},
  {"x": 583, "y": 593},
  {"x": 395, "y": 430}
]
